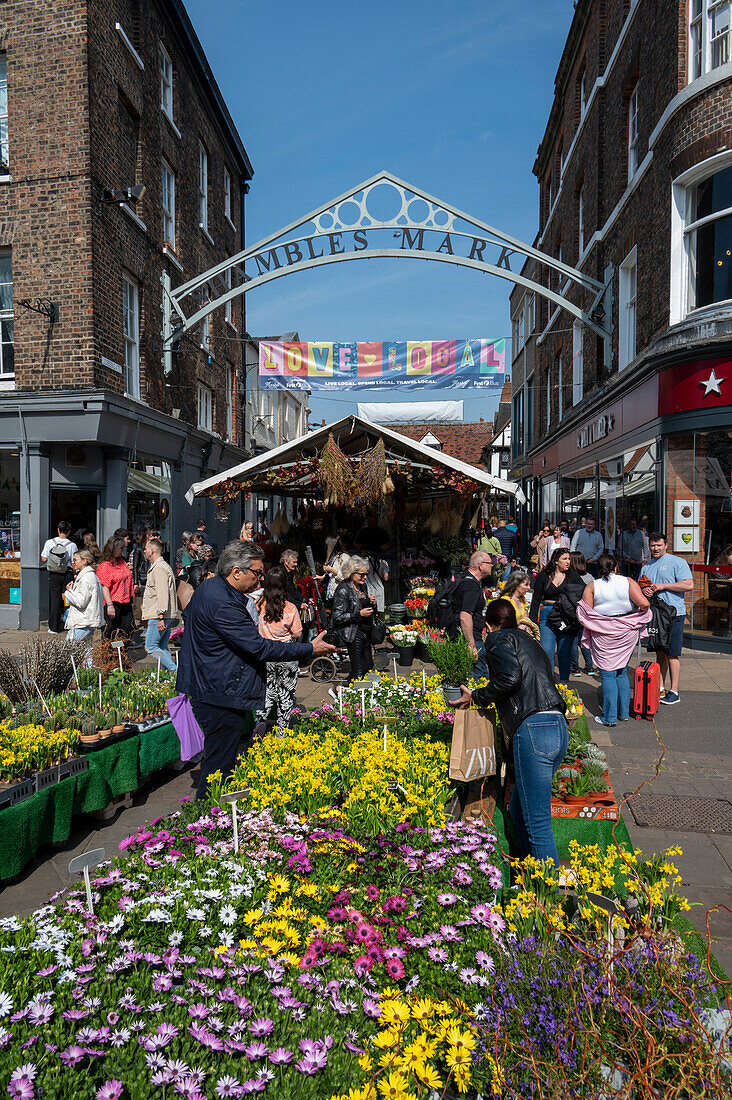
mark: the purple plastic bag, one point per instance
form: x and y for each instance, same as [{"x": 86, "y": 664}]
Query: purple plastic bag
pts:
[{"x": 184, "y": 722}]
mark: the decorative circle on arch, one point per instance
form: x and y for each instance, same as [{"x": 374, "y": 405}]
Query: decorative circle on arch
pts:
[{"x": 405, "y": 207}]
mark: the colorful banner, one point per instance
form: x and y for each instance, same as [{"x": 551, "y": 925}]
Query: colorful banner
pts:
[{"x": 385, "y": 364}]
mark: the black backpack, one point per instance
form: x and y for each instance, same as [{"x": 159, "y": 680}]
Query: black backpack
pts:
[{"x": 441, "y": 610}]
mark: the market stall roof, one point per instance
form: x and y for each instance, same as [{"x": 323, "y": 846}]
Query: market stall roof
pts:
[{"x": 354, "y": 435}]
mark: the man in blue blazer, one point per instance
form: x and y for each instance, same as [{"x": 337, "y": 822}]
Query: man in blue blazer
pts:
[{"x": 222, "y": 662}]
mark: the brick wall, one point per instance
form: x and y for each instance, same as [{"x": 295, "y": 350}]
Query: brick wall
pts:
[
  {"x": 93, "y": 122},
  {"x": 653, "y": 56}
]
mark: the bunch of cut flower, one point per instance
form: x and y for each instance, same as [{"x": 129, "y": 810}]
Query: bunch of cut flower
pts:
[
  {"x": 379, "y": 779},
  {"x": 417, "y": 604},
  {"x": 322, "y": 964}
]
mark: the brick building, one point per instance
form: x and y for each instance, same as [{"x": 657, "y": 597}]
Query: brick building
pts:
[
  {"x": 99, "y": 100},
  {"x": 635, "y": 180}
]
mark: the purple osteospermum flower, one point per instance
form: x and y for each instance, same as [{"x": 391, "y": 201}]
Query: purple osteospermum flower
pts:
[
  {"x": 394, "y": 968},
  {"x": 372, "y": 892},
  {"x": 228, "y": 1086},
  {"x": 255, "y": 1051},
  {"x": 261, "y": 1028},
  {"x": 485, "y": 962},
  {"x": 437, "y": 954},
  {"x": 482, "y": 913},
  {"x": 281, "y": 1057},
  {"x": 447, "y": 899},
  {"x": 110, "y": 1090},
  {"x": 22, "y": 1087}
]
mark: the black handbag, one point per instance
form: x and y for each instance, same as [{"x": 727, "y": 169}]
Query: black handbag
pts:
[
  {"x": 661, "y": 625},
  {"x": 378, "y": 631}
]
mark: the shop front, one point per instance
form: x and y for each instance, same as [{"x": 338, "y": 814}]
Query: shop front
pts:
[{"x": 660, "y": 455}]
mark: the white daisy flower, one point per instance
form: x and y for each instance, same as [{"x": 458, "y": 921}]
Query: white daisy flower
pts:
[
  {"x": 227, "y": 915},
  {"x": 6, "y": 1004}
]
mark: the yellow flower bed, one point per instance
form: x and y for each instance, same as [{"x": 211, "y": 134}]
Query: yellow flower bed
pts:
[
  {"x": 29, "y": 749},
  {"x": 305, "y": 772}
]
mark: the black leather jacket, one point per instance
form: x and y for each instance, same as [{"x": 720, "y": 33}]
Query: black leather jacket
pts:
[
  {"x": 521, "y": 679},
  {"x": 345, "y": 617}
]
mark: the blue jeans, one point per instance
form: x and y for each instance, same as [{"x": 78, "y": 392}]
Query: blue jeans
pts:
[
  {"x": 539, "y": 745},
  {"x": 585, "y": 653},
  {"x": 156, "y": 644},
  {"x": 550, "y": 641},
  {"x": 480, "y": 669},
  {"x": 83, "y": 634},
  {"x": 615, "y": 695}
]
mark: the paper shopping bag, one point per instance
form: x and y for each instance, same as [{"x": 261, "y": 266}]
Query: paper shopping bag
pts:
[{"x": 473, "y": 750}]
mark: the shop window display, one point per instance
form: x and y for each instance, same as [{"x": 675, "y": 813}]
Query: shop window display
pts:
[
  {"x": 148, "y": 499},
  {"x": 9, "y": 528},
  {"x": 699, "y": 516}
]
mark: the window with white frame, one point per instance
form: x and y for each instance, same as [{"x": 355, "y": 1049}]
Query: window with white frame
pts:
[
  {"x": 7, "y": 339},
  {"x": 708, "y": 239},
  {"x": 168, "y": 179},
  {"x": 205, "y": 408},
  {"x": 627, "y": 294},
  {"x": 206, "y": 333},
  {"x": 578, "y": 362},
  {"x": 131, "y": 334},
  {"x": 529, "y": 412},
  {"x": 517, "y": 425},
  {"x": 583, "y": 94},
  {"x": 202, "y": 187},
  {"x": 530, "y": 315},
  {"x": 227, "y": 193},
  {"x": 549, "y": 383},
  {"x": 580, "y": 221},
  {"x": 558, "y": 375},
  {"x": 633, "y": 146},
  {"x": 229, "y": 404},
  {"x": 166, "y": 81},
  {"x": 710, "y": 30},
  {"x": 229, "y": 307},
  {"x": 4, "y": 153}
]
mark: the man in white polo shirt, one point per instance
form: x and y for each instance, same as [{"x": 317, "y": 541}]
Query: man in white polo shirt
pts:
[{"x": 670, "y": 577}]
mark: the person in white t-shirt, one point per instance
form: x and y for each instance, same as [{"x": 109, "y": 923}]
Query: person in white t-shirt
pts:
[{"x": 57, "y": 555}]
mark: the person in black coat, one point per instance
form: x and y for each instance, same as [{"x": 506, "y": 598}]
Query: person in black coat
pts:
[
  {"x": 531, "y": 713},
  {"x": 556, "y": 589},
  {"x": 352, "y": 616},
  {"x": 222, "y": 661}
]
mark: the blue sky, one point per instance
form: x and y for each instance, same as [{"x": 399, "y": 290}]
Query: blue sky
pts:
[{"x": 450, "y": 95}]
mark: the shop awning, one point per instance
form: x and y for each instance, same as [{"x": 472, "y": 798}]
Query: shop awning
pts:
[{"x": 355, "y": 436}]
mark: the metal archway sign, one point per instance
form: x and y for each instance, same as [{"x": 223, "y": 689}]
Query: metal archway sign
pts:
[{"x": 419, "y": 226}]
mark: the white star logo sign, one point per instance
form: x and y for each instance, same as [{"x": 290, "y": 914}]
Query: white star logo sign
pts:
[{"x": 711, "y": 384}]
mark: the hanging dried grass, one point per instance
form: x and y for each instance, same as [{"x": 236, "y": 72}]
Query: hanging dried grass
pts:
[
  {"x": 372, "y": 479},
  {"x": 335, "y": 474}
]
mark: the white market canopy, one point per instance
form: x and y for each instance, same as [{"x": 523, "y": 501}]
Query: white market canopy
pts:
[{"x": 268, "y": 473}]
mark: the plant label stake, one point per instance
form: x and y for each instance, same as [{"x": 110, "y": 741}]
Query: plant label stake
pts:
[
  {"x": 613, "y": 910},
  {"x": 119, "y": 646},
  {"x": 45, "y": 705},
  {"x": 100, "y": 691},
  {"x": 233, "y": 797},
  {"x": 385, "y": 733},
  {"x": 83, "y": 863},
  {"x": 340, "y": 699},
  {"x": 158, "y": 675},
  {"x": 76, "y": 674},
  {"x": 395, "y": 659},
  {"x": 361, "y": 686},
  {"x": 424, "y": 681}
]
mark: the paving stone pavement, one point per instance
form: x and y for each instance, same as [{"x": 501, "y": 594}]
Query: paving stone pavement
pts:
[{"x": 698, "y": 761}]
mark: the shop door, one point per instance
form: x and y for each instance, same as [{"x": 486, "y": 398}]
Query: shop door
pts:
[{"x": 78, "y": 506}]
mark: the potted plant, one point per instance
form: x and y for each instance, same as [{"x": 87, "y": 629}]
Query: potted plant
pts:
[
  {"x": 89, "y": 732},
  {"x": 454, "y": 661},
  {"x": 116, "y": 718},
  {"x": 577, "y": 790},
  {"x": 405, "y": 641},
  {"x": 104, "y": 724}
]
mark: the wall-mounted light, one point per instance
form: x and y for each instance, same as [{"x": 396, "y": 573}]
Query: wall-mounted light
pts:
[{"x": 129, "y": 195}]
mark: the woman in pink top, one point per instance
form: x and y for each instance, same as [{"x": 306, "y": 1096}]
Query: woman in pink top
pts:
[
  {"x": 279, "y": 620},
  {"x": 115, "y": 577}
]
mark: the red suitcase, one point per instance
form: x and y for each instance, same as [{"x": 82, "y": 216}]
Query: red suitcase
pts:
[{"x": 646, "y": 689}]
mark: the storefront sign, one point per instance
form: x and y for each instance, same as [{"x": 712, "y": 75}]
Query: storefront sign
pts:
[
  {"x": 386, "y": 364},
  {"x": 594, "y": 432}
]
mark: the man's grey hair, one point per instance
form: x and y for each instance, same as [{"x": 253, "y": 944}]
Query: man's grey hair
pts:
[
  {"x": 240, "y": 554},
  {"x": 354, "y": 565},
  {"x": 286, "y": 555},
  {"x": 155, "y": 544},
  {"x": 476, "y": 558}
]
